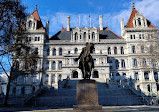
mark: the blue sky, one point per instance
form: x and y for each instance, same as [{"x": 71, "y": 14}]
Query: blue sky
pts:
[{"x": 56, "y": 11}]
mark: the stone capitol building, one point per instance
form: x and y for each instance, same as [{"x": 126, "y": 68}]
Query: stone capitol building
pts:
[{"x": 119, "y": 60}]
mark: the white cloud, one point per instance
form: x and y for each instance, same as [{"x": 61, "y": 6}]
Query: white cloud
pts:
[{"x": 149, "y": 8}]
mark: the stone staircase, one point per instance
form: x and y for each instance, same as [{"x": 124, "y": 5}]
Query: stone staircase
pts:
[{"x": 112, "y": 95}]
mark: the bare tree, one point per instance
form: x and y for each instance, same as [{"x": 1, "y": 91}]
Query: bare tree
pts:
[{"x": 13, "y": 42}]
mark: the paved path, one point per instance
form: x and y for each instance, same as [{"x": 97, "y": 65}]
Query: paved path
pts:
[{"x": 105, "y": 109}]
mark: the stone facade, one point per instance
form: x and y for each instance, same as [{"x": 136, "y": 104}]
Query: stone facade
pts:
[{"x": 116, "y": 58}]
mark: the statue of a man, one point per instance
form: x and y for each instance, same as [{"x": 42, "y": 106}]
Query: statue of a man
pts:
[{"x": 86, "y": 62}]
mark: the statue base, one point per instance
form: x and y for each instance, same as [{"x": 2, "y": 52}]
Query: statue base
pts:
[{"x": 87, "y": 96}]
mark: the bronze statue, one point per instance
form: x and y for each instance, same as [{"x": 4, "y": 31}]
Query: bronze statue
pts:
[{"x": 86, "y": 62}]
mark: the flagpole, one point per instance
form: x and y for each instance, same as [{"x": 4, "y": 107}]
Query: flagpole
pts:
[
  {"x": 79, "y": 20},
  {"x": 90, "y": 20}
]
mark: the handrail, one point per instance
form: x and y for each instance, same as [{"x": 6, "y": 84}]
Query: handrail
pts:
[
  {"x": 140, "y": 94},
  {"x": 33, "y": 95}
]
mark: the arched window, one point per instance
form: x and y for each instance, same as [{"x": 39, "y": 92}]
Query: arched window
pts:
[
  {"x": 23, "y": 90},
  {"x": 46, "y": 78},
  {"x": 30, "y": 24},
  {"x": 14, "y": 90},
  {"x": 84, "y": 36},
  {"x": 93, "y": 36},
  {"x": 53, "y": 65},
  {"x": 122, "y": 63},
  {"x": 95, "y": 74},
  {"x": 33, "y": 89},
  {"x": 76, "y": 36},
  {"x": 75, "y": 62},
  {"x": 75, "y": 74},
  {"x": 109, "y": 50},
  {"x": 36, "y": 50},
  {"x": 47, "y": 65},
  {"x": 118, "y": 74},
  {"x": 133, "y": 49},
  {"x": 139, "y": 21},
  {"x": 48, "y": 51},
  {"x": 135, "y": 62},
  {"x": 136, "y": 77},
  {"x": 60, "y": 65},
  {"x": 94, "y": 61},
  {"x": 76, "y": 51},
  {"x": 116, "y": 64},
  {"x": 144, "y": 61},
  {"x": 122, "y": 50},
  {"x": 54, "y": 52},
  {"x": 94, "y": 51},
  {"x": 59, "y": 77},
  {"x": 35, "y": 65},
  {"x": 17, "y": 65},
  {"x": 146, "y": 75},
  {"x": 115, "y": 50},
  {"x": 142, "y": 49},
  {"x": 60, "y": 51},
  {"x": 53, "y": 78},
  {"x": 156, "y": 76},
  {"x": 148, "y": 88}
]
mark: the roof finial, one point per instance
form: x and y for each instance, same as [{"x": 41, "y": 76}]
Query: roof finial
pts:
[
  {"x": 107, "y": 26},
  {"x": 133, "y": 6},
  {"x": 36, "y": 6}
]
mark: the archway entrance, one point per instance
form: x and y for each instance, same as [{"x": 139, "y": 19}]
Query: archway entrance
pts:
[
  {"x": 75, "y": 74},
  {"x": 95, "y": 74}
]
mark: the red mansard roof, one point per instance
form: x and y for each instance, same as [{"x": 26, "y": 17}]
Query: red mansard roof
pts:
[
  {"x": 37, "y": 18},
  {"x": 130, "y": 21}
]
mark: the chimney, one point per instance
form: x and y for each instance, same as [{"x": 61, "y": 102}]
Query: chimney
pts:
[
  {"x": 47, "y": 27},
  {"x": 68, "y": 23},
  {"x": 100, "y": 22},
  {"x": 122, "y": 26}
]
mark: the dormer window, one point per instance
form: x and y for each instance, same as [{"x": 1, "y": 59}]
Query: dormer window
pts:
[
  {"x": 30, "y": 24},
  {"x": 139, "y": 21},
  {"x": 76, "y": 36}
]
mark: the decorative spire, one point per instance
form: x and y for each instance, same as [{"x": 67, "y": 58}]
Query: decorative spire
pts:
[
  {"x": 36, "y": 6},
  {"x": 133, "y": 6},
  {"x": 107, "y": 26}
]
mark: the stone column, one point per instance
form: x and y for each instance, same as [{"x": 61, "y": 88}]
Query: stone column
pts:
[
  {"x": 141, "y": 78},
  {"x": 151, "y": 75},
  {"x": 142, "y": 21},
  {"x": 146, "y": 22},
  {"x": 137, "y": 23},
  {"x": 51, "y": 51},
  {"x": 56, "y": 66},
  {"x": 49, "y": 79}
]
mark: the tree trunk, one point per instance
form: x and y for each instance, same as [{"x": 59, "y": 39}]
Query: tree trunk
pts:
[{"x": 8, "y": 88}]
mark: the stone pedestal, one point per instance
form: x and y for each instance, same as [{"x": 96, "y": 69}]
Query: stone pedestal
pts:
[{"x": 87, "y": 96}]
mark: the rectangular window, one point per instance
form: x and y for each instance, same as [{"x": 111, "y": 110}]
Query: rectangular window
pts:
[
  {"x": 134, "y": 36},
  {"x": 131, "y": 37},
  {"x": 29, "y": 39},
  {"x": 36, "y": 39},
  {"x": 146, "y": 76},
  {"x": 136, "y": 76},
  {"x": 140, "y": 36}
]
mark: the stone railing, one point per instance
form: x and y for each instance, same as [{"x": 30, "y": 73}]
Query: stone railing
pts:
[{"x": 139, "y": 93}]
